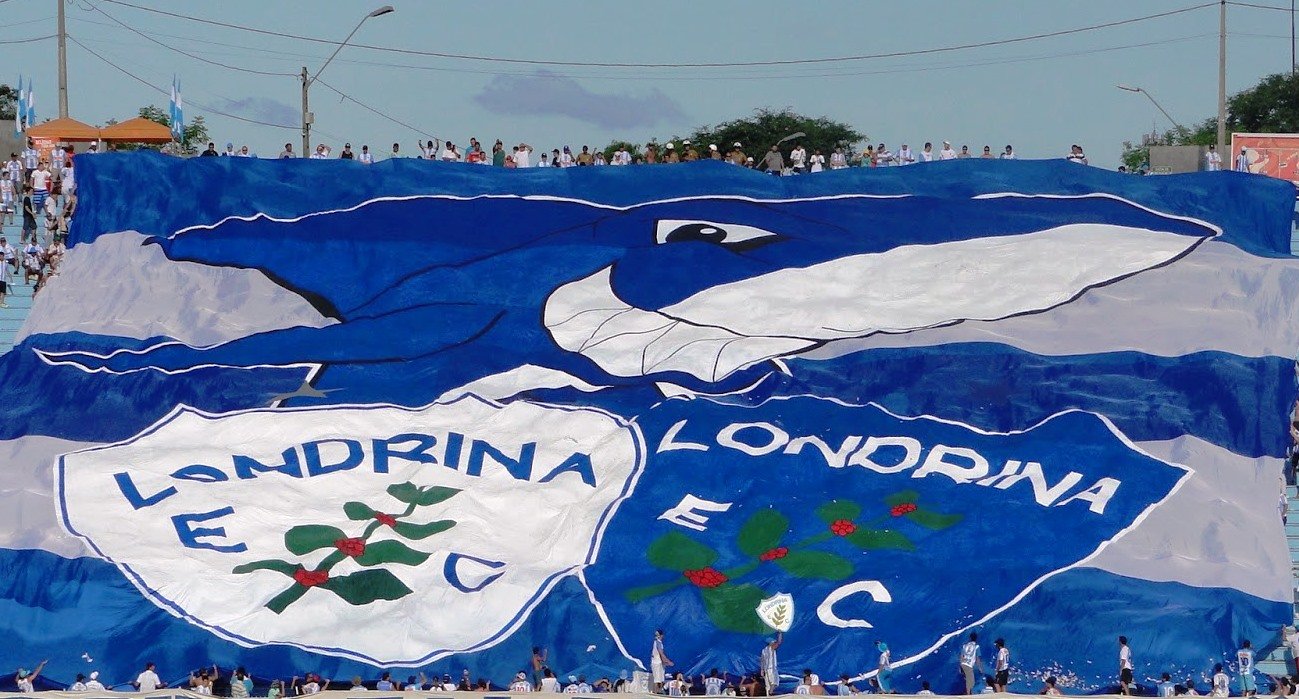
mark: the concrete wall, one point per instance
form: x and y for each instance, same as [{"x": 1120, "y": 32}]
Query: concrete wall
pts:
[
  {"x": 1170, "y": 160},
  {"x": 9, "y": 143}
]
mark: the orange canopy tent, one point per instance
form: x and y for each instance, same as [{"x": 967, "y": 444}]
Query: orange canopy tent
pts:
[
  {"x": 137, "y": 130},
  {"x": 64, "y": 129}
]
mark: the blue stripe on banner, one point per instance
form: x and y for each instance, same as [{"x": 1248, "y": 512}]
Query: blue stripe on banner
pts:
[
  {"x": 1253, "y": 211},
  {"x": 1239, "y": 403}
]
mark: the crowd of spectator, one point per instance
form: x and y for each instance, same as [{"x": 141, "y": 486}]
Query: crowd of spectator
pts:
[{"x": 796, "y": 160}]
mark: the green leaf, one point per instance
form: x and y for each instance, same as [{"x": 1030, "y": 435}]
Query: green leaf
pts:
[
  {"x": 880, "y": 539},
  {"x": 358, "y": 511},
  {"x": 676, "y": 551},
  {"x": 933, "y": 520},
  {"x": 270, "y": 564},
  {"x": 816, "y": 564},
  {"x": 282, "y": 601},
  {"x": 904, "y": 496},
  {"x": 411, "y": 494},
  {"x": 838, "y": 509},
  {"x": 762, "y": 532},
  {"x": 734, "y": 607},
  {"x": 391, "y": 552},
  {"x": 422, "y": 531},
  {"x": 367, "y": 586},
  {"x": 306, "y": 538},
  {"x": 640, "y": 594}
]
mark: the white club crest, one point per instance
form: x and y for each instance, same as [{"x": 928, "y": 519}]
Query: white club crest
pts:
[{"x": 777, "y": 611}]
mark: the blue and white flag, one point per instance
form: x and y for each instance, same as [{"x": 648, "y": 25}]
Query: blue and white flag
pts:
[
  {"x": 29, "y": 106},
  {"x": 177, "y": 111},
  {"x": 1007, "y": 397},
  {"x": 20, "y": 110}
]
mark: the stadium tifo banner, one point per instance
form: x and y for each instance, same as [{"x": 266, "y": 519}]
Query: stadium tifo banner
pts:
[{"x": 316, "y": 417}]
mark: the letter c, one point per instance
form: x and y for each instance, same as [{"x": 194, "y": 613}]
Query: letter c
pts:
[{"x": 826, "y": 614}]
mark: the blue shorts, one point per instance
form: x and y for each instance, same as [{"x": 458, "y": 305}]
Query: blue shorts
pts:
[{"x": 885, "y": 679}]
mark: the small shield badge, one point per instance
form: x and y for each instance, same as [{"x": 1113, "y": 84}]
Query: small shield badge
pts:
[{"x": 777, "y": 611}]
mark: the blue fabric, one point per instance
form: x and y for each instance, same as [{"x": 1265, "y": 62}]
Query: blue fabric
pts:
[{"x": 926, "y": 490}]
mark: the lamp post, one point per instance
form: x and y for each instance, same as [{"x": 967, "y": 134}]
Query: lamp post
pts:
[
  {"x": 1170, "y": 118},
  {"x": 308, "y": 79}
]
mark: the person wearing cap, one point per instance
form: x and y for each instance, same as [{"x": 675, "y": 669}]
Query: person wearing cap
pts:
[
  {"x": 947, "y": 153},
  {"x": 347, "y": 153},
  {"x": 520, "y": 683},
  {"x": 24, "y": 678},
  {"x": 885, "y": 667},
  {"x": 670, "y": 154},
  {"x": 737, "y": 154},
  {"x": 93, "y": 684},
  {"x": 572, "y": 687},
  {"x": 767, "y": 665},
  {"x": 229, "y": 152},
  {"x": 659, "y": 662},
  {"x": 1213, "y": 163},
  {"x": 367, "y": 158},
  {"x": 713, "y": 153},
  {"x": 1242, "y": 161},
  {"x": 691, "y": 154}
]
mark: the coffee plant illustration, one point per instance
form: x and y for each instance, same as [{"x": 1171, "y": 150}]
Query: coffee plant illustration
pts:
[
  {"x": 730, "y": 604},
  {"x": 365, "y": 586}
]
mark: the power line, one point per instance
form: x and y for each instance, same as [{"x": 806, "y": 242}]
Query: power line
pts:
[
  {"x": 158, "y": 89},
  {"x": 603, "y": 64},
  {"x": 1258, "y": 7},
  {"x": 27, "y": 41},
  {"x": 185, "y": 53},
  {"x": 375, "y": 111}
]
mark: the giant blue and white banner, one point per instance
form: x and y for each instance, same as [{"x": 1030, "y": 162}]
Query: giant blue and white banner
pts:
[{"x": 310, "y": 416}]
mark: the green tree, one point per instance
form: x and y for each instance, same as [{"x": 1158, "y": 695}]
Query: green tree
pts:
[
  {"x": 1271, "y": 106},
  {"x": 768, "y": 126},
  {"x": 196, "y": 135},
  {"x": 1137, "y": 154},
  {"x": 8, "y": 102}
]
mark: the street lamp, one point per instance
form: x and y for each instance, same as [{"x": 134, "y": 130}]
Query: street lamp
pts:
[
  {"x": 308, "y": 79},
  {"x": 1129, "y": 88}
]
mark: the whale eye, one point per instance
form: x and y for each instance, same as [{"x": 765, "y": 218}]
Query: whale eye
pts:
[{"x": 732, "y": 236}]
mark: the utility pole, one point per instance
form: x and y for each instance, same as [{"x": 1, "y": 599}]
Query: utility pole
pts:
[
  {"x": 63, "y": 63},
  {"x": 1292, "y": 56},
  {"x": 307, "y": 116},
  {"x": 1222, "y": 77}
]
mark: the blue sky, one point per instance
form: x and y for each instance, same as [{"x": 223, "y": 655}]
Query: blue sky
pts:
[{"x": 1039, "y": 95}]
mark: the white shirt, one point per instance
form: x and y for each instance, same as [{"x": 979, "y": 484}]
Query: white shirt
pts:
[
  {"x": 311, "y": 688},
  {"x": 77, "y": 687},
  {"x": 450, "y": 155},
  {"x": 572, "y": 688},
  {"x": 69, "y": 180},
  {"x": 886, "y": 662},
  {"x": 797, "y": 157},
  {"x": 13, "y": 169},
  {"x": 1125, "y": 658},
  {"x": 148, "y": 681},
  {"x": 817, "y": 162},
  {"x": 1220, "y": 685},
  {"x": 1003, "y": 659},
  {"x": 802, "y": 689},
  {"x": 94, "y": 686},
  {"x": 25, "y": 685},
  {"x": 523, "y": 158},
  {"x": 31, "y": 157},
  {"x": 927, "y": 156},
  {"x": 970, "y": 654},
  {"x": 656, "y": 653},
  {"x": 518, "y": 686},
  {"x": 1007, "y": 156},
  {"x": 1213, "y": 161},
  {"x": 550, "y": 684},
  {"x": 40, "y": 180},
  {"x": 713, "y": 686},
  {"x": 366, "y": 157},
  {"x": 905, "y": 157},
  {"x": 838, "y": 160},
  {"x": 946, "y": 154},
  {"x": 1245, "y": 661}
]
